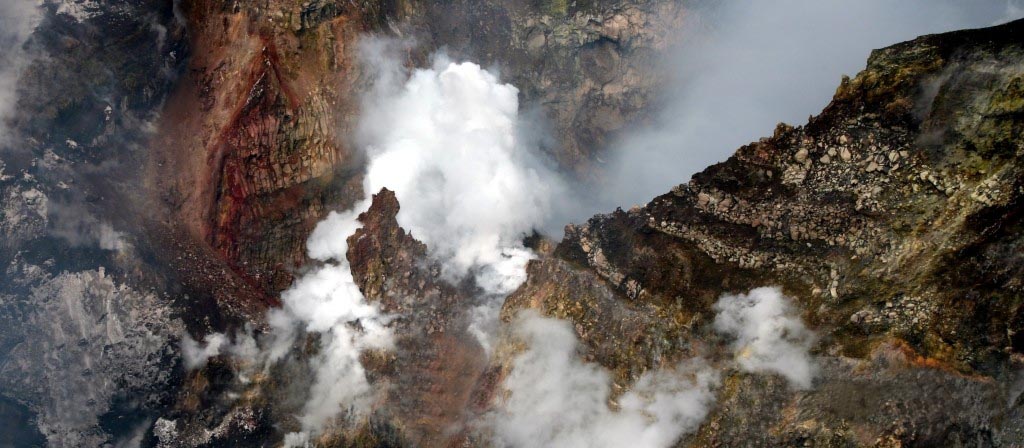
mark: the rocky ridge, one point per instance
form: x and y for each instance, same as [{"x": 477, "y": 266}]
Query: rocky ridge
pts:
[{"x": 890, "y": 217}]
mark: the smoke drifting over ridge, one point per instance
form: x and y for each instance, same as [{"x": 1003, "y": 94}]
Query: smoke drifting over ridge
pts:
[
  {"x": 444, "y": 140},
  {"x": 746, "y": 66},
  {"x": 553, "y": 398}
]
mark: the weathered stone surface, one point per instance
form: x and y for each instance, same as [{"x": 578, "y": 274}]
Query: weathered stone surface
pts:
[{"x": 88, "y": 324}]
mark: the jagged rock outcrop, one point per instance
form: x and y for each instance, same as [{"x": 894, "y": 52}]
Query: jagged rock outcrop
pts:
[
  {"x": 891, "y": 217},
  {"x": 431, "y": 374}
]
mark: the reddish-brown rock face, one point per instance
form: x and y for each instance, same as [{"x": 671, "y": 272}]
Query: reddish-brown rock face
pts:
[{"x": 249, "y": 154}]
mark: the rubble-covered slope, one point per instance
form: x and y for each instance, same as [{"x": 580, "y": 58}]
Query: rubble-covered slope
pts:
[{"x": 893, "y": 217}]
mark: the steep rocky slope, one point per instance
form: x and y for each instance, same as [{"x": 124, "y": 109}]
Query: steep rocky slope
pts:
[{"x": 892, "y": 217}]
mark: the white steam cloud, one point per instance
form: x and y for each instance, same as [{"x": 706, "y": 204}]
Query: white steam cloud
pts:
[
  {"x": 555, "y": 399},
  {"x": 746, "y": 66},
  {"x": 81, "y": 228},
  {"x": 446, "y": 142},
  {"x": 196, "y": 354},
  {"x": 769, "y": 335},
  {"x": 552, "y": 398}
]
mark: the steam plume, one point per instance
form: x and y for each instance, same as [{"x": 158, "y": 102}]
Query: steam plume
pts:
[
  {"x": 196, "y": 354},
  {"x": 445, "y": 141},
  {"x": 555, "y": 399},
  {"x": 769, "y": 335}
]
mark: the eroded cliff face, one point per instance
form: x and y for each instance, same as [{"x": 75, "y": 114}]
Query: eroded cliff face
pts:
[
  {"x": 250, "y": 155},
  {"x": 891, "y": 217}
]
